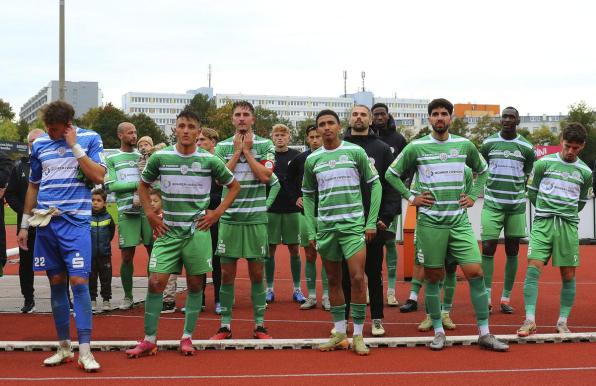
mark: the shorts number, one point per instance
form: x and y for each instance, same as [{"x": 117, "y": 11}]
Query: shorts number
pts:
[
  {"x": 78, "y": 262},
  {"x": 39, "y": 261}
]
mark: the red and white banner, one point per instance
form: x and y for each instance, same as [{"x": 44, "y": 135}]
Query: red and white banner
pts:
[{"x": 542, "y": 150}]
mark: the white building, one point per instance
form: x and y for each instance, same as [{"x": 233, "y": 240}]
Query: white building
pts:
[
  {"x": 81, "y": 95},
  {"x": 529, "y": 122}
]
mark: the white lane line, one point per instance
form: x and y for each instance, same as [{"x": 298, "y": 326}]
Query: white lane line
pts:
[{"x": 306, "y": 375}]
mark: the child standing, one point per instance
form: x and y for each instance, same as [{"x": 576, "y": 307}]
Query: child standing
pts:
[{"x": 102, "y": 233}]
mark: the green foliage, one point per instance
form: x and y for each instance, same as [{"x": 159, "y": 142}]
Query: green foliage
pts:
[
  {"x": 543, "y": 136},
  {"x": 6, "y": 111},
  {"x": 201, "y": 105},
  {"x": 147, "y": 126},
  {"x": 422, "y": 132},
  {"x": 300, "y": 137},
  {"x": 525, "y": 133},
  {"x": 459, "y": 127},
  {"x": 483, "y": 129},
  {"x": 221, "y": 120},
  {"x": 8, "y": 130},
  {"x": 23, "y": 129}
]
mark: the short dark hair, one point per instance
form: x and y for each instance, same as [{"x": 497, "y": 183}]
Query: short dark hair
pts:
[
  {"x": 155, "y": 192},
  {"x": 100, "y": 192},
  {"x": 189, "y": 114},
  {"x": 327, "y": 112},
  {"x": 57, "y": 112},
  {"x": 383, "y": 105},
  {"x": 245, "y": 104},
  {"x": 575, "y": 132},
  {"x": 511, "y": 108},
  {"x": 310, "y": 128},
  {"x": 440, "y": 102}
]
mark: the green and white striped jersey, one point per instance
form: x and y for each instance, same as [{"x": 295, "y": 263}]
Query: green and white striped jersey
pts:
[
  {"x": 468, "y": 182},
  {"x": 559, "y": 187},
  {"x": 123, "y": 177},
  {"x": 185, "y": 185},
  {"x": 336, "y": 176},
  {"x": 440, "y": 166},
  {"x": 250, "y": 205},
  {"x": 509, "y": 164}
]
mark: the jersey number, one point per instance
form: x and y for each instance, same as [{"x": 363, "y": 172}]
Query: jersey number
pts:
[{"x": 39, "y": 261}]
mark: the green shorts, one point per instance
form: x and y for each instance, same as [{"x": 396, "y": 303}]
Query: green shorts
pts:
[
  {"x": 514, "y": 225},
  {"x": 303, "y": 237},
  {"x": 340, "y": 244},
  {"x": 283, "y": 228},
  {"x": 556, "y": 237},
  {"x": 134, "y": 229},
  {"x": 169, "y": 254},
  {"x": 435, "y": 245},
  {"x": 242, "y": 240}
]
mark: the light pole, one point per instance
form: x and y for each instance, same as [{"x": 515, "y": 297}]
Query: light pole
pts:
[{"x": 61, "y": 59}]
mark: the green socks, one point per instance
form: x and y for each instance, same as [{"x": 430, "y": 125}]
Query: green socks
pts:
[
  {"x": 488, "y": 267},
  {"x": 194, "y": 302},
  {"x": 567, "y": 297},
  {"x": 226, "y": 299},
  {"x": 391, "y": 261},
  {"x": 296, "y": 268},
  {"x": 415, "y": 286},
  {"x": 338, "y": 313},
  {"x": 448, "y": 291},
  {"x": 510, "y": 272},
  {"x": 257, "y": 295},
  {"x": 531, "y": 291},
  {"x": 153, "y": 305},
  {"x": 310, "y": 272},
  {"x": 324, "y": 281},
  {"x": 358, "y": 312},
  {"x": 479, "y": 298},
  {"x": 270, "y": 271},
  {"x": 126, "y": 272},
  {"x": 433, "y": 303}
]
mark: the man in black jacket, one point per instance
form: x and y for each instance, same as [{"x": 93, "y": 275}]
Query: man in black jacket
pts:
[
  {"x": 6, "y": 166},
  {"x": 384, "y": 126},
  {"x": 380, "y": 156},
  {"x": 15, "y": 196}
]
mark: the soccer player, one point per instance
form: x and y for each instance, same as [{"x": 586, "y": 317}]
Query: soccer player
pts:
[
  {"x": 336, "y": 171},
  {"x": 384, "y": 126},
  {"x": 133, "y": 227},
  {"x": 283, "y": 216},
  {"x": 243, "y": 228},
  {"x": 295, "y": 176},
  {"x": 379, "y": 154},
  {"x": 558, "y": 189},
  {"x": 510, "y": 159},
  {"x": 443, "y": 227},
  {"x": 64, "y": 162},
  {"x": 185, "y": 173}
]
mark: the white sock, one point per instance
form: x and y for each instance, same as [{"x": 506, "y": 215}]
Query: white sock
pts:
[
  {"x": 413, "y": 296},
  {"x": 313, "y": 296},
  {"x": 65, "y": 344},
  {"x": 84, "y": 349},
  {"x": 531, "y": 317},
  {"x": 390, "y": 291},
  {"x": 504, "y": 299},
  {"x": 562, "y": 319},
  {"x": 483, "y": 330},
  {"x": 439, "y": 330},
  {"x": 358, "y": 329},
  {"x": 151, "y": 338},
  {"x": 185, "y": 336},
  {"x": 226, "y": 326},
  {"x": 340, "y": 327}
]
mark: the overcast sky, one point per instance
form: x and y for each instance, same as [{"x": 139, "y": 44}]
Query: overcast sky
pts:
[{"x": 539, "y": 56}]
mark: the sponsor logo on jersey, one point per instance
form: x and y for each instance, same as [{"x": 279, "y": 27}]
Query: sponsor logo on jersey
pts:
[
  {"x": 131, "y": 163},
  {"x": 576, "y": 175},
  {"x": 507, "y": 154},
  {"x": 61, "y": 151},
  {"x": 517, "y": 153},
  {"x": 195, "y": 167},
  {"x": 454, "y": 152},
  {"x": 344, "y": 158},
  {"x": 428, "y": 172},
  {"x": 565, "y": 175},
  {"x": 183, "y": 169},
  {"x": 332, "y": 163}
]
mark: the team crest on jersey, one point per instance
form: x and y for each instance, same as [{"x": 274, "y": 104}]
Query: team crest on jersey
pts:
[
  {"x": 454, "y": 152},
  {"x": 195, "y": 167},
  {"x": 517, "y": 153},
  {"x": 131, "y": 163},
  {"x": 332, "y": 163},
  {"x": 443, "y": 157},
  {"x": 507, "y": 154},
  {"x": 565, "y": 175},
  {"x": 61, "y": 151},
  {"x": 576, "y": 175},
  {"x": 183, "y": 169},
  {"x": 343, "y": 158}
]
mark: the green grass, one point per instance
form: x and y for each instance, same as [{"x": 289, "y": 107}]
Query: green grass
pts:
[{"x": 10, "y": 217}]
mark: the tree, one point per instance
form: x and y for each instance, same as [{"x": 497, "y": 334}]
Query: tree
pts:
[
  {"x": 485, "y": 127},
  {"x": 300, "y": 137},
  {"x": 265, "y": 119},
  {"x": 422, "y": 132},
  {"x": 23, "y": 129},
  {"x": 8, "y": 130},
  {"x": 459, "y": 127},
  {"x": 221, "y": 120},
  {"x": 544, "y": 136},
  {"x": 525, "y": 133},
  {"x": 105, "y": 122},
  {"x": 147, "y": 126},
  {"x": 6, "y": 110},
  {"x": 201, "y": 105},
  {"x": 584, "y": 114},
  {"x": 87, "y": 119}
]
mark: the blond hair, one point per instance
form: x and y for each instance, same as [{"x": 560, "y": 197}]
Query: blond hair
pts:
[
  {"x": 210, "y": 133},
  {"x": 280, "y": 127}
]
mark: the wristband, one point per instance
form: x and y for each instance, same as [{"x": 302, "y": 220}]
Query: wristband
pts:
[
  {"x": 78, "y": 151},
  {"x": 412, "y": 198},
  {"x": 25, "y": 221}
]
